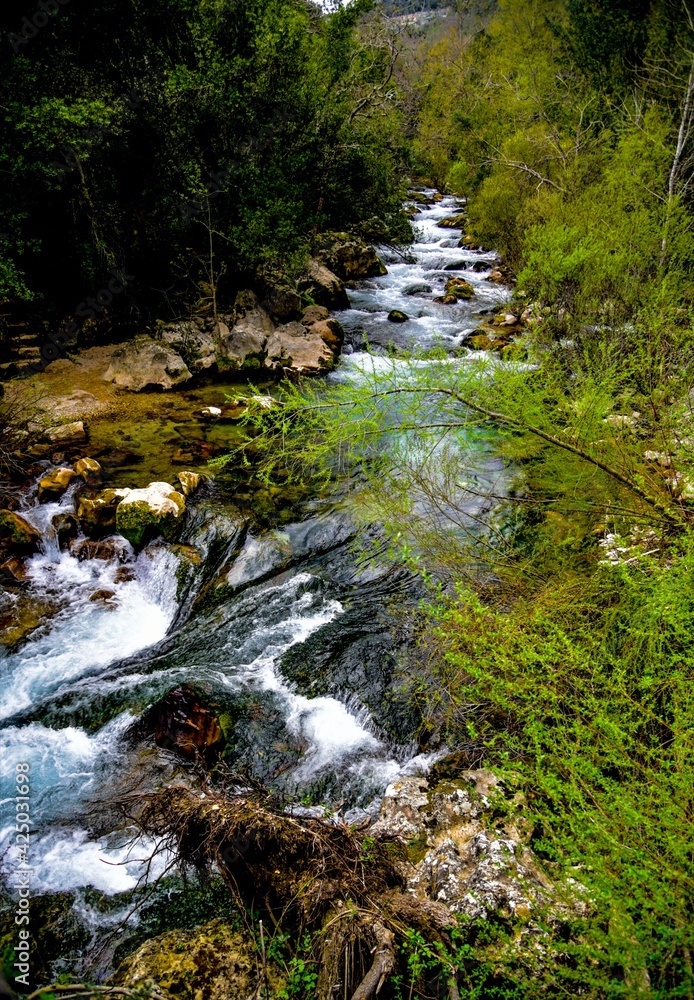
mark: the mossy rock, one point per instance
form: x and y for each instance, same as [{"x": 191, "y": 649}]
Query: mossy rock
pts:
[
  {"x": 17, "y": 534},
  {"x": 212, "y": 962},
  {"x": 156, "y": 510}
]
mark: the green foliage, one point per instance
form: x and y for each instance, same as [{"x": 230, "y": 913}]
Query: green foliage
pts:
[{"x": 130, "y": 133}]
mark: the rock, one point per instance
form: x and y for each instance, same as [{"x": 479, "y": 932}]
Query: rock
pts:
[
  {"x": 396, "y": 316},
  {"x": 17, "y": 535},
  {"x": 467, "y": 859},
  {"x": 418, "y": 288},
  {"x": 480, "y": 342},
  {"x": 90, "y": 548},
  {"x": 622, "y": 420},
  {"x": 330, "y": 332},
  {"x": 279, "y": 298},
  {"x": 212, "y": 962},
  {"x": 76, "y": 406},
  {"x": 26, "y": 613},
  {"x": 124, "y": 574},
  {"x": 499, "y": 276},
  {"x": 182, "y": 722},
  {"x": 144, "y": 513},
  {"x": 314, "y": 314},
  {"x": 210, "y": 412},
  {"x": 460, "y": 288},
  {"x": 89, "y": 469},
  {"x": 103, "y": 596},
  {"x": 193, "y": 343},
  {"x": 14, "y": 570},
  {"x": 324, "y": 287},
  {"x": 144, "y": 363},
  {"x": 66, "y": 434},
  {"x": 401, "y": 807},
  {"x": 349, "y": 258},
  {"x": 448, "y": 300},
  {"x": 66, "y": 529},
  {"x": 298, "y": 348},
  {"x": 661, "y": 458},
  {"x": 453, "y": 221},
  {"x": 97, "y": 514},
  {"x": 244, "y": 347},
  {"x": 54, "y": 484},
  {"x": 190, "y": 482}
]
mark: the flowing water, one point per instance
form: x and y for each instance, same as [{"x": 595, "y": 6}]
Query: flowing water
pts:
[{"x": 291, "y": 631}]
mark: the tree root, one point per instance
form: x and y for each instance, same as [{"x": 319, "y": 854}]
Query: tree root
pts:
[{"x": 306, "y": 875}]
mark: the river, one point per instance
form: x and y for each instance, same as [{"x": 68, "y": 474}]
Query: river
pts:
[{"x": 293, "y": 631}]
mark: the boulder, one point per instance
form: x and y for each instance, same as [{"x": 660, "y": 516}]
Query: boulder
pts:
[
  {"x": 216, "y": 961},
  {"x": 324, "y": 287},
  {"x": 453, "y": 221},
  {"x": 17, "y": 535},
  {"x": 244, "y": 345},
  {"x": 330, "y": 332},
  {"x": 13, "y": 570},
  {"x": 66, "y": 434},
  {"x": 89, "y": 469},
  {"x": 314, "y": 314},
  {"x": 348, "y": 257},
  {"x": 279, "y": 298},
  {"x": 465, "y": 856},
  {"x": 54, "y": 484},
  {"x": 460, "y": 288},
  {"x": 144, "y": 363},
  {"x": 418, "y": 288},
  {"x": 66, "y": 529},
  {"x": 299, "y": 348},
  {"x": 124, "y": 574},
  {"x": 182, "y": 722},
  {"x": 396, "y": 316},
  {"x": 97, "y": 514},
  {"x": 155, "y": 510},
  {"x": 196, "y": 343}
]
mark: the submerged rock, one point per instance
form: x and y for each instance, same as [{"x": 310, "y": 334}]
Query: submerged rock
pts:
[
  {"x": 17, "y": 535},
  {"x": 418, "y": 288},
  {"x": 182, "y": 722},
  {"x": 155, "y": 510},
  {"x": 144, "y": 363},
  {"x": 54, "y": 484}
]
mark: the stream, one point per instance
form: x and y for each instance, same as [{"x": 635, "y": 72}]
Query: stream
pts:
[{"x": 293, "y": 632}]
